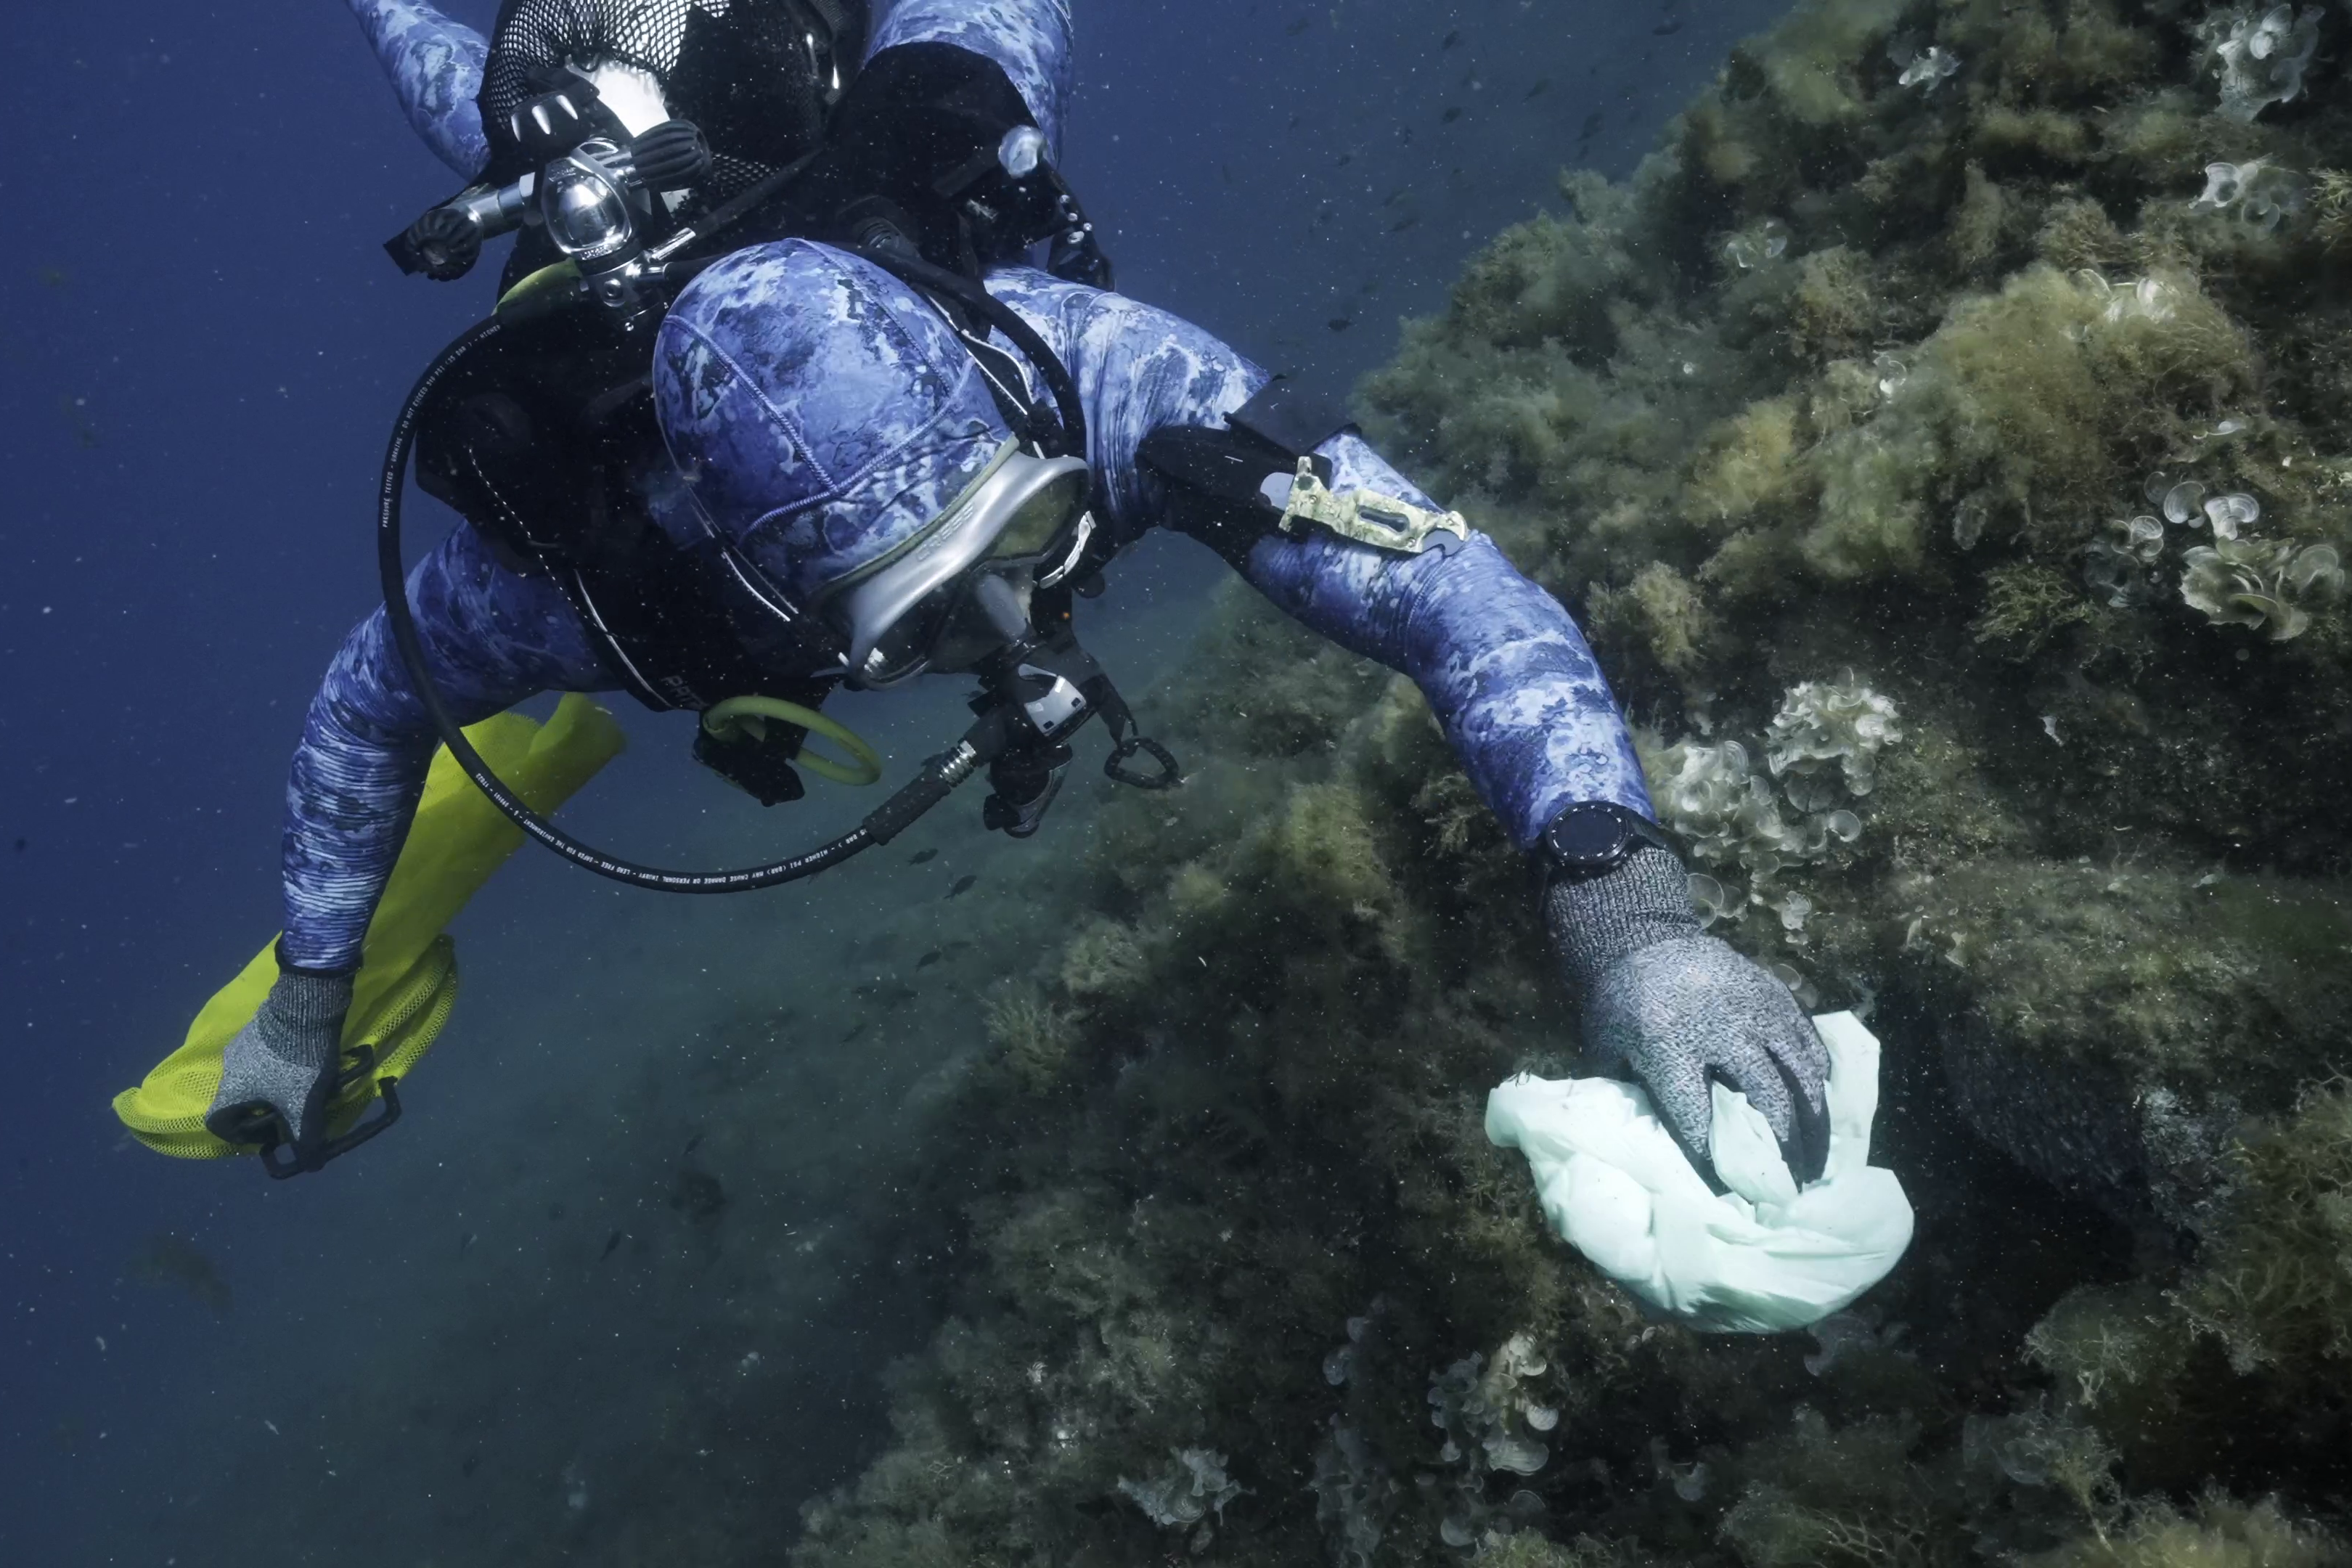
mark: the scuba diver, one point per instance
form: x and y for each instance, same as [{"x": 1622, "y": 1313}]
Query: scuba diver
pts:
[{"x": 825, "y": 425}]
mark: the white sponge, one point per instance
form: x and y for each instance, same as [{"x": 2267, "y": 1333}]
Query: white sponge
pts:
[{"x": 1764, "y": 1257}]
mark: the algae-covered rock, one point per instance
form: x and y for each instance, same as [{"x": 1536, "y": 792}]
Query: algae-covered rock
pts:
[
  {"x": 1947, "y": 437},
  {"x": 2108, "y": 1025}
]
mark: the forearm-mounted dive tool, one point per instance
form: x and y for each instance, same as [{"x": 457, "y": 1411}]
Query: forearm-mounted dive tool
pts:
[{"x": 1261, "y": 474}]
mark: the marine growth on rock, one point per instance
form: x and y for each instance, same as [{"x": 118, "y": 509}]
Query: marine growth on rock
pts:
[
  {"x": 2260, "y": 53},
  {"x": 2260, "y": 584},
  {"x": 1904, "y": 541}
]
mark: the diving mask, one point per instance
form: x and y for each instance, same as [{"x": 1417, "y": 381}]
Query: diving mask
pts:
[{"x": 960, "y": 588}]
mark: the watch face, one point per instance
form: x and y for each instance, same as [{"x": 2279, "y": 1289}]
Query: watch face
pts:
[{"x": 1588, "y": 836}]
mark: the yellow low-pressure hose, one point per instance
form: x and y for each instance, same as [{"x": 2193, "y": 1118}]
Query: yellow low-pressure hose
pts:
[{"x": 724, "y": 719}]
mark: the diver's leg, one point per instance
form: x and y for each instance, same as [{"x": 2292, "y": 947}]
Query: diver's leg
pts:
[
  {"x": 436, "y": 66},
  {"x": 491, "y": 639}
]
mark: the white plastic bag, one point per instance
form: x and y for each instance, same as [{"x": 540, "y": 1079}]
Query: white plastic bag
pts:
[{"x": 1763, "y": 1257}]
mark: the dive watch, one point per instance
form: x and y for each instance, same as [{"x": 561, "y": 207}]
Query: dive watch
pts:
[{"x": 1596, "y": 835}]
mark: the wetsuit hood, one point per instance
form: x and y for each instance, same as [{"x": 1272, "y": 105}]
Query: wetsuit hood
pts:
[{"x": 842, "y": 416}]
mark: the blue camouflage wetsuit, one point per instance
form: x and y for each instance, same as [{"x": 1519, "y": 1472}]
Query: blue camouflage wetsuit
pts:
[{"x": 1503, "y": 666}]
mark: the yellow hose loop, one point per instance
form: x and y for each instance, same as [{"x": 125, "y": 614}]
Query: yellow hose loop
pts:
[
  {"x": 746, "y": 713},
  {"x": 561, "y": 275}
]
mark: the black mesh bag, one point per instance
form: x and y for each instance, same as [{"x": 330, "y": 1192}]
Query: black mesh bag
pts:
[{"x": 756, "y": 76}]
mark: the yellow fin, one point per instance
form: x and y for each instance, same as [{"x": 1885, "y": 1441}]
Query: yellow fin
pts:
[{"x": 407, "y": 981}]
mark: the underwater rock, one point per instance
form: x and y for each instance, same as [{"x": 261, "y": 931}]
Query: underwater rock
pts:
[
  {"x": 2109, "y": 1029},
  {"x": 2097, "y": 881}
]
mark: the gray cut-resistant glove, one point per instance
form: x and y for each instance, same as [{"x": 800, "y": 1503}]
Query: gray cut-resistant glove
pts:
[
  {"x": 1680, "y": 1007},
  {"x": 284, "y": 1059}
]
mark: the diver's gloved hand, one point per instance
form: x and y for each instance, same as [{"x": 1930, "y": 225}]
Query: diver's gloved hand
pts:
[
  {"x": 1680, "y": 1007},
  {"x": 445, "y": 243},
  {"x": 284, "y": 1061},
  {"x": 671, "y": 156}
]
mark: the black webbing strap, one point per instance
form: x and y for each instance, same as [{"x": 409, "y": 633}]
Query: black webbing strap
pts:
[{"x": 1291, "y": 415}]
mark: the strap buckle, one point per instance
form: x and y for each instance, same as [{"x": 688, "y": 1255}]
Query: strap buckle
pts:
[
  {"x": 1382, "y": 522},
  {"x": 282, "y": 1157}
]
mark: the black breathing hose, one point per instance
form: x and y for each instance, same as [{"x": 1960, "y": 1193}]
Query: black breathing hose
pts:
[
  {"x": 918, "y": 273},
  {"x": 938, "y": 779}
]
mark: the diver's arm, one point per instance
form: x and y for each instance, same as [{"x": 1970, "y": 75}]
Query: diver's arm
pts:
[
  {"x": 1510, "y": 678},
  {"x": 436, "y": 66},
  {"x": 494, "y": 638},
  {"x": 1506, "y": 672},
  {"x": 1030, "y": 39}
]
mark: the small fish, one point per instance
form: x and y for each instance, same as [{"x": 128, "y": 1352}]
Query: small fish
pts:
[
  {"x": 1541, "y": 82},
  {"x": 167, "y": 1261},
  {"x": 1339, "y": 323},
  {"x": 854, "y": 1031},
  {"x": 922, "y": 857},
  {"x": 1298, "y": 26},
  {"x": 1396, "y": 195},
  {"x": 1591, "y": 127},
  {"x": 274, "y": 1432},
  {"x": 1671, "y": 24},
  {"x": 963, "y": 885},
  {"x": 1345, "y": 159},
  {"x": 928, "y": 959},
  {"x": 611, "y": 1244},
  {"x": 1226, "y": 170},
  {"x": 1450, "y": 116},
  {"x": 20, "y": 847},
  {"x": 1406, "y": 221},
  {"x": 466, "y": 1242},
  {"x": 1450, "y": 40},
  {"x": 692, "y": 1145}
]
